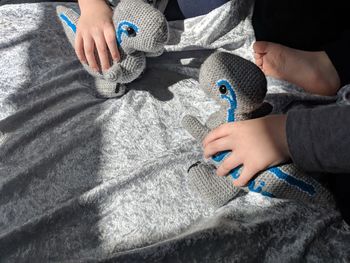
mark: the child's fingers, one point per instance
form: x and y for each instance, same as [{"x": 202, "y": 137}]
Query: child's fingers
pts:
[
  {"x": 102, "y": 51},
  {"x": 217, "y": 146},
  {"x": 228, "y": 164},
  {"x": 89, "y": 49},
  {"x": 111, "y": 41},
  {"x": 258, "y": 59},
  {"x": 246, "y": 175},
  {"x": 79, "y": 48},
  {"x": 221, "y": 131}
]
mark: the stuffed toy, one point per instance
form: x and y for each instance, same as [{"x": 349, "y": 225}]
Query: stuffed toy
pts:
[
  {"x": 141, "y": 30},
  {"x": 239, "y": 87}
]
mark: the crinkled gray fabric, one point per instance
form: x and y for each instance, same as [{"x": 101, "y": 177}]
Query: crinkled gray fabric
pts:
[{"x": 84, "y": 179}]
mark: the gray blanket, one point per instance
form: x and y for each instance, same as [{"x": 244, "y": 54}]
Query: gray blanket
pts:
[{"x": 84, "y": 179}]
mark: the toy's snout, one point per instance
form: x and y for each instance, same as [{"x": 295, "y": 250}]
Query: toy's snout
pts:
[
  {"x": 146, "y": 31},
  {"x": 132, "y": 36},
  {"x": 159, "y": 37}
]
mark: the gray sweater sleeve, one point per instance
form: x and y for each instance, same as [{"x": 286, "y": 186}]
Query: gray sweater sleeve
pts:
[{"x": 319, "y": 138}]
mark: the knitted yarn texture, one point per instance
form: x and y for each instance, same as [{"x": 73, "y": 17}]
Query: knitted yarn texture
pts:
[
  {"x": 239, "y": 87},
  {"x": 141, "y": 30}
]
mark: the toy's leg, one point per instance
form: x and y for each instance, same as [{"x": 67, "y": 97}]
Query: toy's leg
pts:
[
  {"x": 213, "y": 189},
  {"x": 129, "y": 68},
  {"x": 107, "y": 89}
]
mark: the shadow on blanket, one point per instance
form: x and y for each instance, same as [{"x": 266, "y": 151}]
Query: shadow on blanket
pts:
[
  {"x": 58, "y": 189},
  {"x": 84, "y": 179},
  {"x": 156, "y": 80},
  {"x": 45, "y": 189}
]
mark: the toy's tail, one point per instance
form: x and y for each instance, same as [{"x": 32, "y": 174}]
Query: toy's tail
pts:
[
  {"x": 288, "y": 182},
  {"x": 69, "y": 19}
]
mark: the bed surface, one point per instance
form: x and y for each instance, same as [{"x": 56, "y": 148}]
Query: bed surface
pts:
[{"x": 84, "y": 179}]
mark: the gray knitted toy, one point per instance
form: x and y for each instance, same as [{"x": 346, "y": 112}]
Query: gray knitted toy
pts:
[
  {"x": 239, "y": 86},
  {"x": 141, "y": 30}
]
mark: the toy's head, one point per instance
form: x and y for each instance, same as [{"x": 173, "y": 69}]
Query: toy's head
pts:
[
  {"x": 237, "y": 84},
  {"x": 140, "y": 26}
]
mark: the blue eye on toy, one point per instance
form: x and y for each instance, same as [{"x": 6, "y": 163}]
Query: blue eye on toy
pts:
[
  {"x": 223, "y": 89},
  {"x": 130, "y": 31},
  {"x": 127, "y": 28}
]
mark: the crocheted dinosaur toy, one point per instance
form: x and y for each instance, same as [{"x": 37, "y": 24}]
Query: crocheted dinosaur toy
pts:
[
  {"x": 239, "y": 87},
  {"x": 141, "y": 30}
]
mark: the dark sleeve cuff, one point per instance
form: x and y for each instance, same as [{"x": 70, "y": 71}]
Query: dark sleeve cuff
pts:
[
  {"x": 298, "y": 138},
  {"x": 319, "y": 139}
]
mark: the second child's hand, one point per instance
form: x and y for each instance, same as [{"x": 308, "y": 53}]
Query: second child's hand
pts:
[
  {"x": 95, "y": 31},
  {"x": 256, "y": 144}
]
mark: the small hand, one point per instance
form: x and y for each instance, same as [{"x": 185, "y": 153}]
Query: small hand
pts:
[
  {"x": 256, "y": 144},
  {"x": 95, "y": 30}
]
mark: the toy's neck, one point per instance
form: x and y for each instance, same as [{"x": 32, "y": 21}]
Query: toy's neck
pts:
[
  {"x": 230, "y": 115},
  {"x": 230, "y": 97}
]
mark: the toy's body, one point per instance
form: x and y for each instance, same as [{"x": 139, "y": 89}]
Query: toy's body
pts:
[
  {"x": 239, "y": 87},
  {"x": 141, "y": 30}
]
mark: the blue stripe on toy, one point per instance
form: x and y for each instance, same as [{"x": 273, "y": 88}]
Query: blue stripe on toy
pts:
[
  {"x": 305, "y": 187},
  {"x": 267, "y": 194},
  {"x": 68, "y": 22},
  {"x": 235, "y": 172},
  {"x": 231, "y": 98},
  {"x": 259, "y": 189},
  {"x": 220, "y": 156}
]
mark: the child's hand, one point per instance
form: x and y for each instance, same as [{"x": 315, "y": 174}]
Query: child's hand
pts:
[
  {"x": 256, "y": 144},
  {"x": 95, "y": 30}
]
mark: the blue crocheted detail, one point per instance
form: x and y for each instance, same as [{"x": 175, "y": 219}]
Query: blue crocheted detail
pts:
[
  {"x": 303, "y": 186},
  {"x": 252, "y": 186},
  {"x": 68, "y": 22},
  {"x": 259, "y": 188},
  {"x": 230, "y": 97},
  {"x": 235, "y": 172},
  {"x": 121, "y": 29},
  {"x": 220, "y": 156}
]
